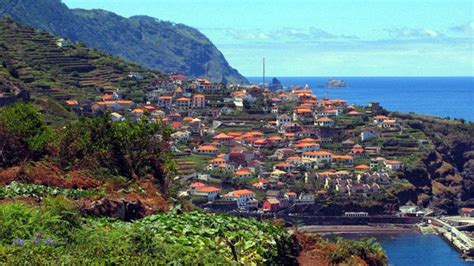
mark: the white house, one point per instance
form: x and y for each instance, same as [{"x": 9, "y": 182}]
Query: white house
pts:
[
  {"x": 393, "y": 165},
  {"x": 283, "y": 120},
  {"x": 210, "y": 192},
  {"x": 306, "y": 147},
  {"x": 181, "y": 136},
  {"x": 318, "y": 156},
  {"x": 245, "y": 198},
  {"x": 324, "y": 122}
]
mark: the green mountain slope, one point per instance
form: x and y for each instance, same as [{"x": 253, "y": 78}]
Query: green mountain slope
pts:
[
  {"x": 155, "y": 44},
  {"x": 32, "y": 60}
]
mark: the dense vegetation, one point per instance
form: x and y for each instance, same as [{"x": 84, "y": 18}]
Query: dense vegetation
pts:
[
  {"x": 87, "y": 158},
  {"x": 319, "y": 251},
  {"x": 155, "y": 44},
  {"x": 56, "y": 234}
]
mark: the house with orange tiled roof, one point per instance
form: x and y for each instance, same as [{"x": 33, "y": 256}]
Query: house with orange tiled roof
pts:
[
  {"x": 206, "y": 150},
  {"x": 357, "y": 150},
  {"x": 223, "y": 138},
  {"x": 206, "y": 85},
  {"x": 260, "y": 142},
  {"x": 181, "y": 136},
  {"x": 275, "y": 139},
  {"x": 291, "y": 196},
  {"x": 393, "y": 165},
  {"x": 183, "y": 103},
  {"x": 115, "y": 105},
  {"x": 276, "y": 101},
  {"x": 256, "y": 134},
  {"x": 324, "y": 122},
  {"x": 308, "y": 140},
  {"x": 235, "y": 134},
  {"x": 353, "y": 113},
  {"x": 303, "y": 115},
  {"x": 196, "y": 185},
  {"x": 362, "y": 168},
  {"x": 199, "y": 101},
  {"x": 390, "y": 124},
  {"x": 226, "y": 167},
  {"x": 107, "y": 97},
  {"x": 245, "y": 198},
  {"x": 306, "y": 147},
  {"x": 379, "y": 119},
  {"x": 210, "y": 192},
  {"x": 217, "y": 161},
  {"x": 318, "y": 156},
  {"x": 243, "y": 173},
  {"x": 305, "y": 91},
  {"x": 72, "y": 103},
  {"x": 165, "y": 102},
  {"x": 283, "y": 166},
  {"x": 343, "y": 159}
]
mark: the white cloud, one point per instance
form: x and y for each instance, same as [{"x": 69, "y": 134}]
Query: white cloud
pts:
[
  {"x": 409, "y": 33},
  {"x": 284, "y": 34},
  {"x": 467, "y": 28}
]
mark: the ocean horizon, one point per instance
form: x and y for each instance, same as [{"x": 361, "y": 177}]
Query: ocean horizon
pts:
[{"x": 437, "y": 96}]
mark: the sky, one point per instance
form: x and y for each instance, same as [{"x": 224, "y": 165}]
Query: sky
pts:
[{"x": 324, "y": 37}]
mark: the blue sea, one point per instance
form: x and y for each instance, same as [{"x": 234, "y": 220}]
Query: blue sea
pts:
[
  {"x": 438, "y": 96},
  {"x": 416, "y": 249}
]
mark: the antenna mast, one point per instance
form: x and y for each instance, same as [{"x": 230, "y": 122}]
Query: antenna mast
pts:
[{"x": 263, "y": 78}]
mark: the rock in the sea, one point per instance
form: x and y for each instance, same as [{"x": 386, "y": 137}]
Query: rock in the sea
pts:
[
  {"x": 336, "y": 83},
  {"x": 276, "y": 84}
]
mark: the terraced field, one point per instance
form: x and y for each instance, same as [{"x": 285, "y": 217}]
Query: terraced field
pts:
[{"x": 73, "y": 71}]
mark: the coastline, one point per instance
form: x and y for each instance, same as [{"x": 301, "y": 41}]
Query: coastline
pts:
[{"x": 358, "y": 229}]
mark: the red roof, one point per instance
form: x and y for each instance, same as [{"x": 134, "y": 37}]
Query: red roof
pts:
[
  {"x": 178, "y": 76},
  {"x": 175, "y": 124}
]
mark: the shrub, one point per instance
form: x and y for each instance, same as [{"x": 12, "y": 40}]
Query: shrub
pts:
[{"x": 25, "y": 122}]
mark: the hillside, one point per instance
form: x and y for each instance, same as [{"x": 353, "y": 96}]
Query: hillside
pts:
[
  {"x": 31, "y": 59},
  {"x": 159, "y": 45},
  {"x": 444, "y": 177}
]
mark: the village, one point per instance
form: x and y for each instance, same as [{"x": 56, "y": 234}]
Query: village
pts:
[{"x": 260, "y": 149}]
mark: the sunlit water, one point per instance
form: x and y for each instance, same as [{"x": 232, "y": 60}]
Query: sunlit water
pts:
[
  {"x": 416, "y": 249},
  {"x": 439, "y": 96}
]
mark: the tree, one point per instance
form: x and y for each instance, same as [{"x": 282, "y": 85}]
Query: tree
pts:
[
  {"x": 12, "y": 149},
  {"x": 26, "y": 122},
  {"x": 133, "y": 149}
]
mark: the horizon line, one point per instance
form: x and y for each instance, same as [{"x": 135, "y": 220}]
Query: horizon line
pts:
[{"x": 333, "y": 76}]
